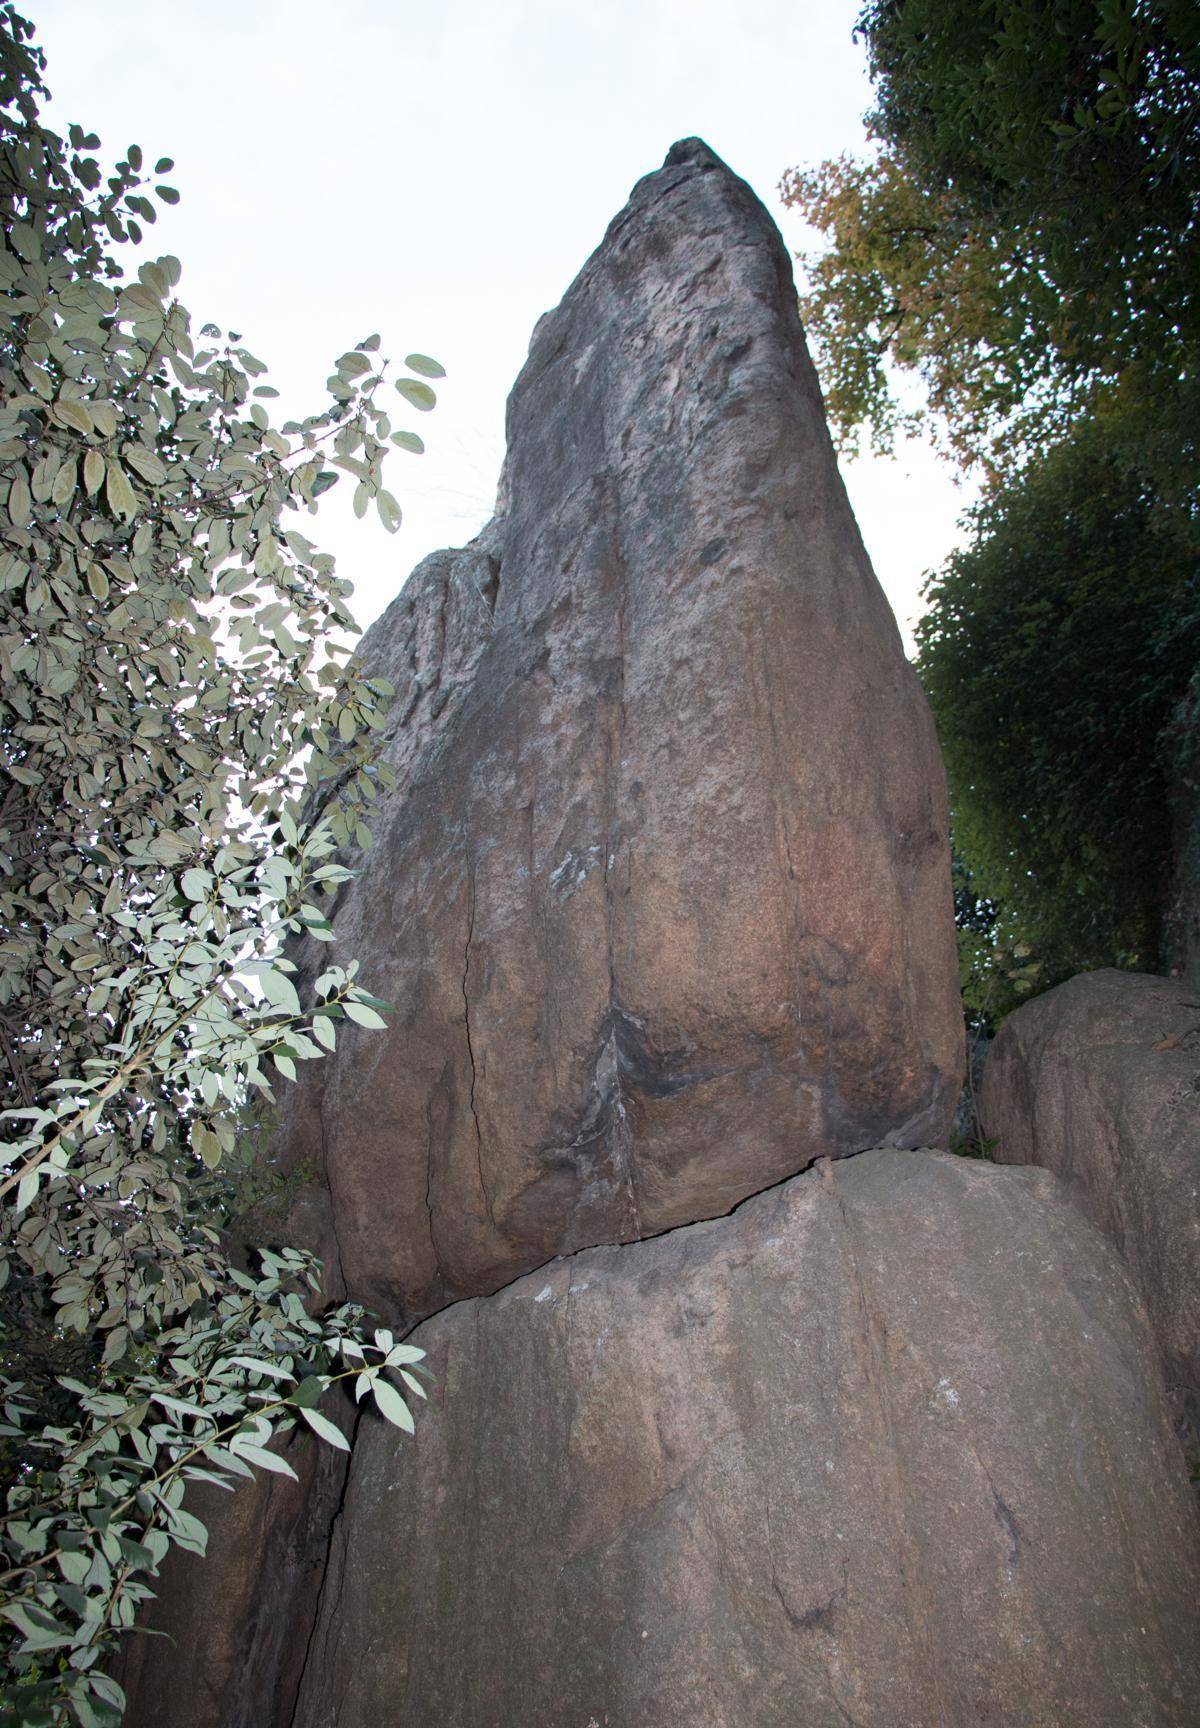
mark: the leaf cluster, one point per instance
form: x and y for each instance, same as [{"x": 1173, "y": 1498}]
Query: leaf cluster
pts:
[
  {"x": 101, "y": 1499},
  {"x": 1054, "y": 650},
  {"x": 187, "y": 753},
  {"x": 1026, "y": 237},
  {"x": 1024, "y": 240}
]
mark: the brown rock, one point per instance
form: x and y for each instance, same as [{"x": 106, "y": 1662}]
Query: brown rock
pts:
[
  {"x": 229, "y": 1629},
  {"x": 663, "y": 900},
  {"x": 887, "y": 1447},
  {"x": 1099, "y": 1081}
]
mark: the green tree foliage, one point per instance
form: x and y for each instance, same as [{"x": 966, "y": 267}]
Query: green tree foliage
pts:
[
  {"x": 173, "y": 685},
  {"x": 1025, "y": 242},
  {"x": 1054, "y": 650},
  {"x": 1026, "y": 238},
  {"x": 997, "y": 968}
]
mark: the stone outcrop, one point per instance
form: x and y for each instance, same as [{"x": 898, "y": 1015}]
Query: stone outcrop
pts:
[
  {"x": 662, "y": 900},
  {"x": 1099, "y": 1081},
  {"x": 886, "y": 1447}
]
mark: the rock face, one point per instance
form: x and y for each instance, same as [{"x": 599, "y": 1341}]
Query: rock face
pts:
[
  {"x": 1098, "y": 1081},
  {"x": 886, "y": 1447},
  {"x": 231, "y": 1628},
  {"x": 663, "y": 899}
]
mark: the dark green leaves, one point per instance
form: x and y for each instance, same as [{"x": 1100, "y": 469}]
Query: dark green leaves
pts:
[
  {"x": 1024, "y": 238},
  {"x": 1054, "y": 651}
]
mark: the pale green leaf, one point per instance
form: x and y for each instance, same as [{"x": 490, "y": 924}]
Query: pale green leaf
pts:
[
  {"x": 404, "y": 1353},
  {"x": 327, "y": 1430},
  {"x": 424, "y": 365},
  {"x": 20, "y": 503},
  {"x": 260, "y": 1456},
  {"x": 118, "y": 490},
  {"x": 420, "y": 395},
  {"x": 73, "y": 415},
  {"x": 65, "y": 480},
  {"x": 93, "y": 472},
  {"x": 392, "y": 1405},
  {"x": 196, "y": 883},
  {"x": 279, "y": 991}
]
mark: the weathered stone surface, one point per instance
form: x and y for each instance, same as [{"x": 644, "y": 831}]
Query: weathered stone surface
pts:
[
  {"x": 1099, "y": 1081},
  {"x": 886, "y": 1447},
  {"x": 230, "y": 1630},
  {"x": 663, "y": 900}
]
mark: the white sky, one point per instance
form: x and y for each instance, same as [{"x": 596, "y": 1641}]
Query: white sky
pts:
[{"x": 439, "y": 172}]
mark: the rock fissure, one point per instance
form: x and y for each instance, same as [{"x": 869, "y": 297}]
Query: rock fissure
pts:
[
  {"x": 777, "y": 757},
  {"x": 623, "y": 1247},
  {"x": 618, "y": 1136},
  {"x": 1006, "y": 1519},
  {"x": 429, "y": 1169},
  {"x": 875, "y": 1361},
  {"x": 1094, "y": 1082},
  {"x": 466, "y": 975},
  {"x": 331, "y": 1537}
]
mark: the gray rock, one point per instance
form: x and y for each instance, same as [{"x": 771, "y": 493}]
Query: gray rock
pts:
[
  {"x": 887, "y": 1447},
  {"x": 663, "y": 899},
  {"x": 1099, "y": 1081}
]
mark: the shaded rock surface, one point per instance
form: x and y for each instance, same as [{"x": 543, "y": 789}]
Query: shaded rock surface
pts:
[
  {"x": 230, "y": 1629},
  {"x": 887, "y": 1447},
  {"x": 1099, "y": 1081},
  {"x": 663, "y": 898}
]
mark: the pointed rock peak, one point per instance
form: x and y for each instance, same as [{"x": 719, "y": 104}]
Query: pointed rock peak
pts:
[
  {"x": 662, "y": 898},
  {"x": 694, "y": 152}
]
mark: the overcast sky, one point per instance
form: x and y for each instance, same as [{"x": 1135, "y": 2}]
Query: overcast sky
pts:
[{"x": 438, "y": 171}]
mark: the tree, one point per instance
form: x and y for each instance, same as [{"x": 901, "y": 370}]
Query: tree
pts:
[
  {"x": 996, "y": 966},
  {"x": 1054, "y": 651},
  {"x": 1026, "y": 238},
  {"x": 172, "y": 687}
]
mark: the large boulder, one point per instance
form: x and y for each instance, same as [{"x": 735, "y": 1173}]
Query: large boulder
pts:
[
  {"x": 663, "y": 898},
  {"x": 886, "y": 1447},
  {"x": 1099, "y": 1081}
]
